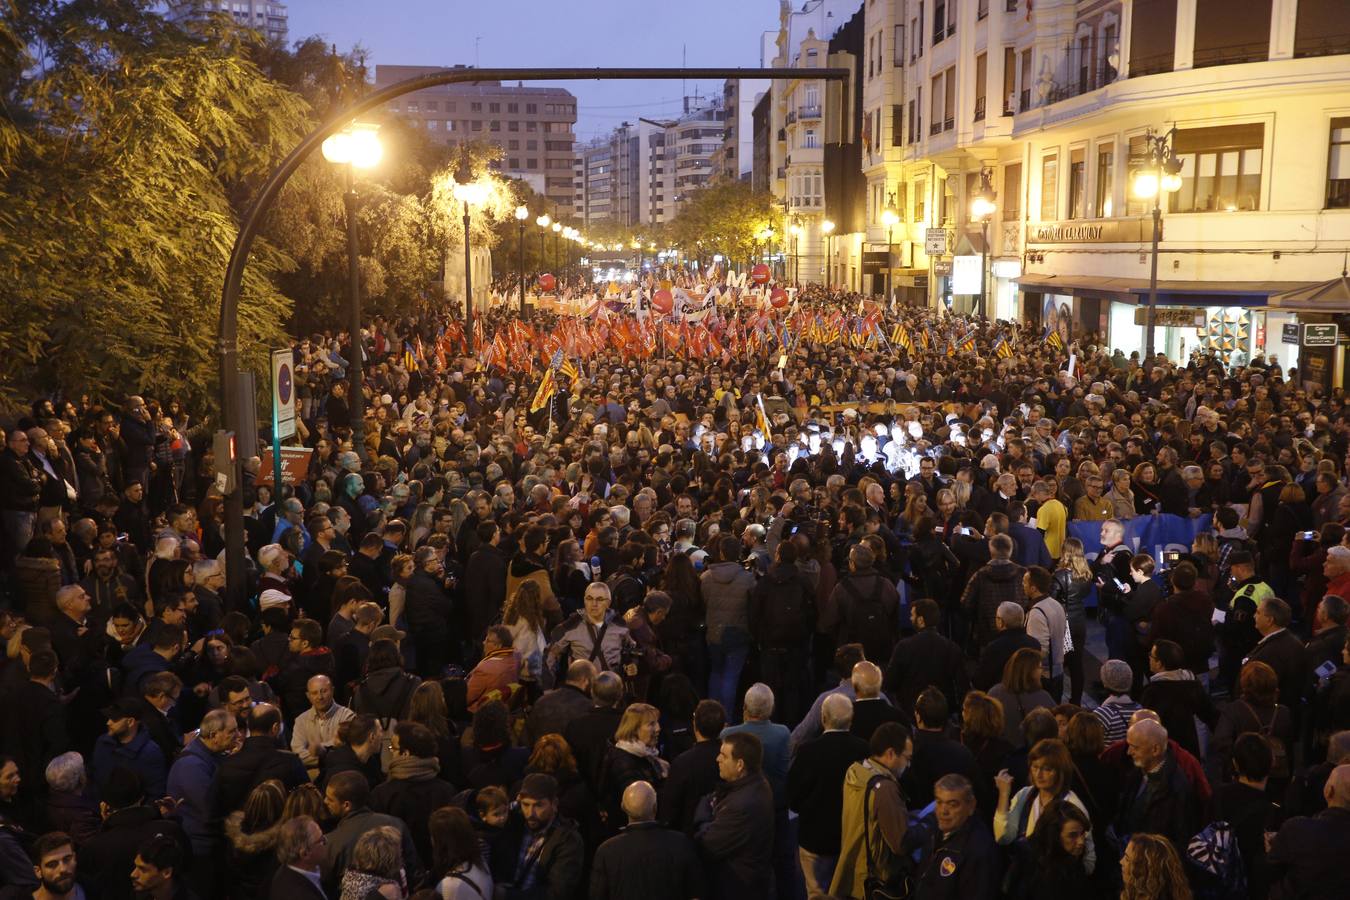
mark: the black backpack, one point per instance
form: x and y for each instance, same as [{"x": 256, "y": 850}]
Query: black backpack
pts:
[
  {"x": 866, "y": 621},
  {"x": 789, "y": 613}
]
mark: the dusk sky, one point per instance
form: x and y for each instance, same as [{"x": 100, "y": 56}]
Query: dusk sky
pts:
[{"x": 545, "y": 33}]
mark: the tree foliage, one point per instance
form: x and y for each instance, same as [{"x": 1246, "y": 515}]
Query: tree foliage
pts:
[{"x": 724, "y": 217}]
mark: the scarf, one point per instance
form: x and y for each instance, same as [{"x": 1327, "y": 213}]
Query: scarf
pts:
[
  {"x": 637, "y": 748},
  {"x": 414, "y": 768},
  {"x": 1174, "y": 675}
]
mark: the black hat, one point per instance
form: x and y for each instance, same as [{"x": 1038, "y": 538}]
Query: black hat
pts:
[
  {"x": 539, "y": 786},
  {"x": 123, "y": 708}
]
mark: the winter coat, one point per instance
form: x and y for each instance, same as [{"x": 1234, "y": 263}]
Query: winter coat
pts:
[
  {"x": 926, "y": 658},
  {"x": 726, "y": 588},
  {"x": 852, "y": 606},
  {"x": 992, "y": 584},
  {"x": 493, "y": 678},
  {"x": 484, "y": 589},
  {"x": 428, "y": 610},
  {"x": 646, "y": 861},
  {"x": 782, "y": 609},
  {"x": 259, "y": 759},
  {"x": 412, "y": 793},
  {"x": 559, "y": 865},
  {"x": 107, "y": 858},
  {"x": 551, "y": 712},
  {"x": 738, "y": 841},
  {"x": 1179, "y": 700},
  {"x": 573, "y": 640},
  {"x": 384, "y": 694},
  {"x": 252, "y": 857},
  {"x": 1186, "y": 618},
  {"x": 140, "y": 754}
]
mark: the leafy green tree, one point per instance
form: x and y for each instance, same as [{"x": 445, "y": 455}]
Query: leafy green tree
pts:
[{"x": 724, "y": 218}]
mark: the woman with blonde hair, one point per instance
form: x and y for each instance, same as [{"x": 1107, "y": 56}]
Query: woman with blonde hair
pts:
[
  {"x": 1020, "y": 692},
  {"x": 376, "y": 865},
  {"x": 524, "y": 618},
  {"x": 634, "y": 756},
  {"x": 304, "y": 800},
  {"x": 1151, "y": 870},
  {"x": 1073, "y": 582},
  {"x": 252, "y": 834}
]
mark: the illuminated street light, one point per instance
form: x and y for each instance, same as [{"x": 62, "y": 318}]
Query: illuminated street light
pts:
[
  {"x": 1164, "y": 169},
  {"x": 522, "y": 213}
]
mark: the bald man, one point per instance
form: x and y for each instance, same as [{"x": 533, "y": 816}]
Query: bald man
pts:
[
  {"x": 1307, "y": 856},
  {"x": 1157, "y": 797},
  {"x": 645, "y": 860},
  {"x": 870, "y": 708},
  {"x": 315, "y": 729}
]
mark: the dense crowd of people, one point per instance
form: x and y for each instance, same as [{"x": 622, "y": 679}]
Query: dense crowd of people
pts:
[{"x": 797, "y": 606}]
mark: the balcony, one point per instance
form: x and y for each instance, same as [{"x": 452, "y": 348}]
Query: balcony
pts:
[
  {"x": 935, "y": 128},
  {"x": 790, "y": 117},
  {"x": 808, "y": 112},
  {"x": 1024, "y": 100},
  {"x": 948, "y": 124},
  {"x": 979, "y": 109},
  {"x": 1088, "y": 79},
  {"x": 782, "y": 172}
]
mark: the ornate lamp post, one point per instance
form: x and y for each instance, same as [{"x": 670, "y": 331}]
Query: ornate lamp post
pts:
[
  {"x": 557, "y": 229},
  {"x": 1162, "y": 175},
  {"x": 522, "y": 213},
  {"x": 828, "y": 227},
  {"x": 469, "y": 193},
  {"x": 889, "y": 217},
  {"x": 982, "y": 210},
  {"x": 543, "y": 222},
  {"x": 795, "y": 229}
]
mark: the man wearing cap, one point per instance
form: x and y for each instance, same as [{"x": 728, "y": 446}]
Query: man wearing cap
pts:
[
  {"x": 538, "y": 854},
  {"x": 1237, "y": 632},
  {"x": 128, "y": 745}
]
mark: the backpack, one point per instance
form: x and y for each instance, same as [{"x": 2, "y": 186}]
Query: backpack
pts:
[
  {"x": 789, "y": 613},
  {"x": 1214, "y": 858},
  {"x": 866, "y": 621},
  {"x": 1280, "y": 766}
]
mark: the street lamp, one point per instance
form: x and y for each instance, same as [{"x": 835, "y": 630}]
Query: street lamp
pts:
[
  {"x": 543, "y": 223},
  {"x": 469, "y": 193},
  {"x": 1162, "y": 175},
  {"x": 766, "y": 237},
  {"x": 557, "y": 229},
  {"x": 889, "y": 217},
  {"x": 982, "y": 210},
  {"x": 828, "y": 227},
  {"x": 356, "y": 148},
  {"x": 522, "y": 213},
  {"x": 796, "y": 230}
]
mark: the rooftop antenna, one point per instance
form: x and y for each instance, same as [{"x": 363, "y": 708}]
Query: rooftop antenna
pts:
[
  {"x": 684, "y": 64},
  {"x": 476, "y": 41}
]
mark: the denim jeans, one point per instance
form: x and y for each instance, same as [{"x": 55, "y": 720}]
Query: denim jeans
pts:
[{"x": 726, "y": 659}]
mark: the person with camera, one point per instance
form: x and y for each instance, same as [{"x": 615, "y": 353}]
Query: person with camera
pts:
[{"x": 872, "y": 852}]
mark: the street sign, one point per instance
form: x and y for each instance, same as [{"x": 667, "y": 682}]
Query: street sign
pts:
[
  {"x": 935, "y": 241},
  {"x": 283, "y": 393},
  {"x": 1289, "y": 333},
  {"x": 1171, "y": 316},
  {"x": 1319, "y": 335},
  {"x": 294, "y": 466}
]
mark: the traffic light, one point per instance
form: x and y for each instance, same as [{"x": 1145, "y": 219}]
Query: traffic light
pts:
[{"x": 226, "y": 461}]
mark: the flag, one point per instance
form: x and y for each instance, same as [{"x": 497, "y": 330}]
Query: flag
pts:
[
  {"x": 1002, "y": 348},
  {"x": 761, "y": 417},
  {"x": 1052, "y": 338},
  {"x": 923, "y": 340},
  {"x": 967, "y": 343},
  {"x": 409, "y": 357},
  {"x": 569, "y": 370},
  {"x": 548, "y": 385}
]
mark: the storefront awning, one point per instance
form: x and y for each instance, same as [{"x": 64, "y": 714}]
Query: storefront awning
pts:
[
  {"x": 1170, "y": 293},
  {"x": 1325, "y": 296}
]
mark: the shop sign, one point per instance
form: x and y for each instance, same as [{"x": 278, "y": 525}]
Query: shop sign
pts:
[
  {"x": 1171, "y": 316},
  {"x": 294, "y": 465},
  {"x": 943, "y": 267},
  {"x": 1289, "y": 333},
  {"x": 1320, "y": 335},
  {"x": 1105, "y": 231},
  {"x": 874, "y": 261}
]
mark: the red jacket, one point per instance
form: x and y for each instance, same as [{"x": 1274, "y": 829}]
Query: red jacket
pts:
[{"x": 496, "y": 677}]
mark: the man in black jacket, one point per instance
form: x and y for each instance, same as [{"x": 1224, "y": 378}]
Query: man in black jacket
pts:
[
  {"x": 736, "y": 836},
  {"x": 484, "y": 582},
  {"x": 1156, "y": 796},
  {"x": 590, "y": 734},
  {"x": 1280, "y": 649},
  {"x": 413, "y": 791},
  {"x": 300, "y": 851},
  {"x": 935, "y": 754},
  {"x": 693, "y": 774},
  {"x": 20, "y": 487},
  {"x": 260, "y": 758},
  {"x": 570, "y": 700},
  {"x": 782, "y": 617},
  {"x": 960, "y": 858},
  {"x": 428, "y": 610},
  {"x": 106, "y": 859},
  {"x": 646, "y": 859},
  {"x": 556, "y": 868},
  {"x": 1011, "y": 636},
  {"x": 1307, "y": 854},
  {"x": 926, "y": 658},
  {"x": 815, "y": 791}
]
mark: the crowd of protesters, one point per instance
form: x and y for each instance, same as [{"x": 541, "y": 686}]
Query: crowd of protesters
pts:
[{"x": 628, "y": 645}]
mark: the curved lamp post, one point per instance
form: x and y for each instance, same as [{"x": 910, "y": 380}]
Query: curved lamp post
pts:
[
  {"x": 796, "y": 230},
  {"x": 557, "y": 229},
  {"x": 982, "y": 210},
  {"x": 1163, "y": 175},
  {"x": 543, "y": 222},
  {"x": 358, "y": 147}
]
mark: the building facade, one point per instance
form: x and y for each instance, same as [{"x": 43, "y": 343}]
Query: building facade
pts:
[
  {"x": 268, "y": 16},
  {"x": 1053, "y": 107},
  {"x": 533, "y": 126},
  {"x": 734, "y": 161}
]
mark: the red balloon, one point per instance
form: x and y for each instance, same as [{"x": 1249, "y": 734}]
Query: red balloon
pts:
[
  {"x": 778, "y": 297},
  {"x": 547, "y": 282},
  {"x": 663, "y": 302},
  {"x": 760, "y": 274}
]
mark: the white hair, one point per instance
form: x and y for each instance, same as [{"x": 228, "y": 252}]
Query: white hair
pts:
[
  {"x": 65, "y": 773},
  {"x": 759, "y": 701},
  {"x": 836, "y": 712}
]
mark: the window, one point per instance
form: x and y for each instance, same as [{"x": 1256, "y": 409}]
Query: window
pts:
[
  {"x": 433, "y": 124},
  {"x": 1009, "y": 80},
  {"x": 513, "y": 126},
  {"x": 1220, "y": 169},
  {"x": 1227, "y": 32},
  {"x": 412, "y": 106},
  {"x": 949, "y": 121},
  {"x": 495, "y": 126},
  {"x": 1338, "y": 167},
  {"x": 939, "y": 21},
  {"x": 1153, "y": 36},
  {"x": 494, "y": 107},
  {"x": 512, "y": 163},
  {"x": 920, "y": 201},
  {"x": 531, "y": 126},
  {"x": 809, "y": 138},
  {"x": 899, "y": 50},
  {"x": 1320, "y": 29},
  {"x": 1106, "y": 181},
  {"x": 1050, "y": 188},
  {"x": 1024, "y": 98},
  {"x": 432, "y": 106},
  {"x": 909, "y": 131},
  {"x": 982, "y": 10},
  {"x": 475, "y": 107},
  {"x": 935, "y": 120},
  {"x": 1077, "y": 182},
  {"x": 531, "y": 109},
  {"x": 513, "y": 107},
  {"x": 981, "y": 76},
  {"x": 1012, "y": 192},
  {"x": 513, "y": 145},
  {"x": 915, "y": 41},
  {"x": 531, "y": 163},
  {"x": 477, "y": 125},
  {"x": 897, "y": 114},
  {"x": 1134, "y": 205}
]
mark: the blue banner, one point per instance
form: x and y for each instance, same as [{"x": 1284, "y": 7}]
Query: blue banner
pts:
[{"x": 1143, "y": 534}]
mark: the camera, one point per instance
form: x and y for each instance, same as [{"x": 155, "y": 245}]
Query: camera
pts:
[{"x": 1170, "y": 558}]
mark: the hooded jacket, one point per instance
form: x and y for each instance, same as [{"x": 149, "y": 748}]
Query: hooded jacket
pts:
[
  {"x": 253, "y": 858},
  {"x": 885, "y": 829},
  {"x": 726, "y": 595},
  {"x": 384, "y": 693},
  {"x": 998, "y": 581}
]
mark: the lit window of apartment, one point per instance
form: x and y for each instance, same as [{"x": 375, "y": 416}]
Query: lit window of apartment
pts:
[
  {"x": 1220, "y": 168},
  {"x": 1077, "y": 182},
  {"x": 1050, "y": 187},
  {"x": 1106, "y": 181},
  {"x": 1338, "y": 166}
]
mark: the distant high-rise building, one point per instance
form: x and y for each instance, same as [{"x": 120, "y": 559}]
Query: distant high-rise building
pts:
[
  {"x": 735, "y": 158},
  {"x": 532, "y": 126},
  {"x": 268, "y": 16}
]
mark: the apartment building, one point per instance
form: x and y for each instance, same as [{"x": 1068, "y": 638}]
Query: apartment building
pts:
[
  {"x": 268, "y": 16},
  {"x": 1058, "y": 104},
  {"x": 735, "y": 159},
  {"x": 533, "y": 126}
]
